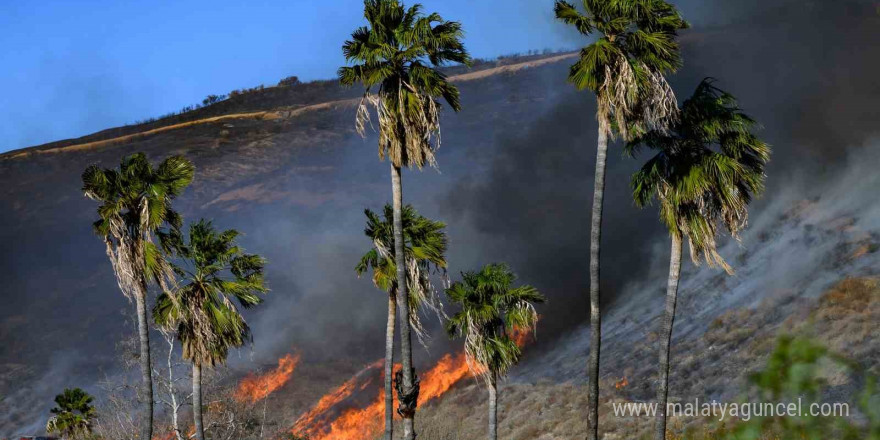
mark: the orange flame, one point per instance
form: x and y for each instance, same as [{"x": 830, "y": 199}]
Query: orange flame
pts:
[
  {"x": 622, "y": 383},
  {"x": 439, "y": 379},
  {"x": 329, "y": 400},
  {"x": 360, "y": 423},
  {"x": 520, "y": 337},
  {"x": 354, "y": 423},
  {"x": 255, "y": 388}
]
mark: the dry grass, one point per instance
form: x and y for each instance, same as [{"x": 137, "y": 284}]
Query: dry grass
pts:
[
  {"x": 845, "y": 319},
  {"x": 277, "y": 113},
  {"x": 511, "y": 68},
  {"x": 266, "y": 115}
]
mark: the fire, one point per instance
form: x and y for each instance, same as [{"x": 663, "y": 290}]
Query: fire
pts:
[
  {"x": 354, "y": 423},
  {"x": 255, "y": 388},
  {"x": 306, "y": 422},
  {"x": 520, "y": 337},
  {"x": 622, "y": 383},
  {"x": 439, "y": 379},
  {"x": 360, "y": 423}
]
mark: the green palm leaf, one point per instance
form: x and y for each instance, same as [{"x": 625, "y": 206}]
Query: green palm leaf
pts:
[
  {"x": 491, "y": 309},
  {"x": 425, "y": 245},
  {"x": 705, "y": 171},
  {"x": 626, "y": 64},
  {"x": 398, "y": 53},
  {"x": 215, "y": 272}
]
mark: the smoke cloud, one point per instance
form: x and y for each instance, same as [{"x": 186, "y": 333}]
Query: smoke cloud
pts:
[{"x": 515, "y": 186}]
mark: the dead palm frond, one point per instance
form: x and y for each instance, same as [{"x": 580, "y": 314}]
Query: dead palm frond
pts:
[
  {"x": 491, "y": 310},
  {"x": 425, "y": 245},
  {"x": 398, "y": 53},
  {"x": 707, "y": 168},
  {"x": 625, "y": 66}
]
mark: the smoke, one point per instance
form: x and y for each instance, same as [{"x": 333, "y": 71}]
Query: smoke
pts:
[
  {"x": 801, "y": 242},
  {"x": 515, "y": 186},
  {"x": 803, "y": 70}
]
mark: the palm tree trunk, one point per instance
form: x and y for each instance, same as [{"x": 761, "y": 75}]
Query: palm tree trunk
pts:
[
  {"x": 666, "y": 337},
  {"x": 493, "y": 408},
  {"x": 389, "y": 366},
  {"x": 407, "y": 391},
  {"x": 595, "y": 317},
  {"x": 146, "y": 365},
  {"x": 197, "y": 401}
]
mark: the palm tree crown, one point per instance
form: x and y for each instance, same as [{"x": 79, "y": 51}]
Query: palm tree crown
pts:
[
  {"x": 624, "y": 67},
  {"x": 135, "y": 202},
  {"x": 425, "y": 245},
  {"x": 73, "y": 414},
  {"x": 706, "y": 170},
  {"x": 399, "y": 51},
  {"x": 216, "y": 270},
  {"x": 491, "y": 309}
]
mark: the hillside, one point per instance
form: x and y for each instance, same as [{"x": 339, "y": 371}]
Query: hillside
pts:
[
  {"x": 280, "y": 101},
  {"x": 264, "y": 169},
  {"x": 285, "y": 166}
]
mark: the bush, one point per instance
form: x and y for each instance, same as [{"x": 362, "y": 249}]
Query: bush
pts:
[
  {"x": 793, "y": 372},
  {"x": 289, "y": 81},
  {"x": 213, "y": 99}
]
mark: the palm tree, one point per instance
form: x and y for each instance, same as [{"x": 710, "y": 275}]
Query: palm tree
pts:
[
  {"x": 625, "y": 68},
  {"x": 200, "y": 310},
  {"x": 73, "y": 414},
  {"x": 705, "y": 172},
  {"x": 425, "y": 247},
  {"x": 399, "y": 52},
  {"x": 491, "y": 311},
  {"x": 135, "y": 203}
]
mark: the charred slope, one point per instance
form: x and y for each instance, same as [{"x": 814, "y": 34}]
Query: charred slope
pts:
[{"x": 516, "y": 174}]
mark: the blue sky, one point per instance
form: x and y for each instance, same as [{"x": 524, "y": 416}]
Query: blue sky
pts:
[{"x": 70, "y": 68}]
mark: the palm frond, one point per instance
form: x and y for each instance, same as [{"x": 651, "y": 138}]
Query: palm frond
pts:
[
  {"x": 568, "y": 14},
  {"x": 400, "y": 51},
  {"x": 707, "y": 169},
  {"x": 490, "y": 309},
  {"x": 625, "y": 65},
  {"x": 425, "y": 245},
  {"x": 135, "y": 203},
  {"x": 201, "y": 309}
]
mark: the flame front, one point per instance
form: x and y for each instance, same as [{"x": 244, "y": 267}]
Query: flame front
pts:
[
  {"x": 439, "y": 379},
  {"x": 306, "y": 422},
  {"x": 360, "y": 423},
  {"x": 255, "y": 388}
]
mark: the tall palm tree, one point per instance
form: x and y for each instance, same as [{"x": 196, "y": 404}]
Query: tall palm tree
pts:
[
  {"x": 73, "y": 414},
  {"x": 706, "y": 170},
  {"x": 425, "y": 247},
  {"x": 625, "y": 68},
  {"x": 135, "y": 203},
  {"x": 398, "y": 52},
  {"x": 213, "y": 272},
  {"x": 491, "y": 310}
]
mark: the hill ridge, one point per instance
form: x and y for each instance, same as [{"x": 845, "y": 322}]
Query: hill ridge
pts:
[{"x": 274, "y": 113}]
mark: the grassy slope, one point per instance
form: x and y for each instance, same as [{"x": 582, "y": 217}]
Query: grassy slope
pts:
[{"x": 844, "y": 319}]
